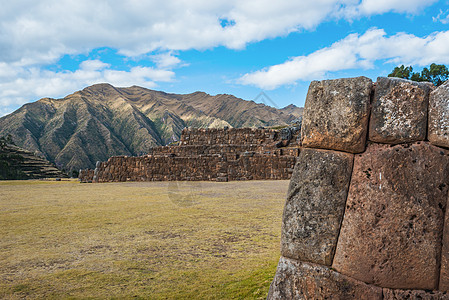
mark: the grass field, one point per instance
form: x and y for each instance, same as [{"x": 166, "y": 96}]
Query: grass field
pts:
[{"x": 152, "y": 240}]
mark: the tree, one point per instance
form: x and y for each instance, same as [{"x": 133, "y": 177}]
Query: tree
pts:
[
  {"x": 402, "y": 72},
  {"x": 437, "y": 74}
]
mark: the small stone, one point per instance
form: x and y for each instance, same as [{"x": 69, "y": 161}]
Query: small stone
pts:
[
  {"x": 315, "y": 205},
  {"x": 336, "y": 114},
  {"x": 439, "y": 116},
  {"x": 298, "y": 280},
  {"x": 392, "y": 229},
  {"x": 222, "y": 179},
  {"x": 399, "y": 113}
]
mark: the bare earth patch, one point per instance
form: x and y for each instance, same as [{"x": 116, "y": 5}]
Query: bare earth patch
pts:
[{"x": 176, "y": 240}]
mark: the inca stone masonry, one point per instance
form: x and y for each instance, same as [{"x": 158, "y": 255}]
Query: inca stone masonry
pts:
[
  {"x": 209, "y": 154},
  {"x": 365, "y": 215}
]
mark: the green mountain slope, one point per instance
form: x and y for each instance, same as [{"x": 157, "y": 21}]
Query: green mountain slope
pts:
[{"x": 102, "y": 121}]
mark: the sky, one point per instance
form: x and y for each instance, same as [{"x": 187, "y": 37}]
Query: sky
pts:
[{"x": 52, "y": 48}]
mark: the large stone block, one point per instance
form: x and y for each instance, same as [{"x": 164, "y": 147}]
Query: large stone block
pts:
[
  {"x": 315, "y": 205},
  {"x": 392, "y": 229},
  {"x": 439, "y": 116},
  {"x": 336, "y": 114},
  {"x": 399, "y": 113},
  {"x": 298, "y": 280}
]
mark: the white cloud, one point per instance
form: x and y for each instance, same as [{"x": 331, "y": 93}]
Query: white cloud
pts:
[
  {"x": 93, "y": 65},
  {"x": 401, "y": 6},
  {"x": 442, "y": 17},
  {"x": 25, "y": 84},
  {"x": 35, "y": 34},
  {"x": 165, "y": 60},
  {"x": 355, "y": 51},
  {"x": 39, "y": 32}
]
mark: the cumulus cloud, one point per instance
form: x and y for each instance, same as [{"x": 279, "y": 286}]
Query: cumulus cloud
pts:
[
  {"x": 36, "y": 34},
  {"x": 35, "y": 83},
  {"x": 354, "y": 51},
  {"x": 166, "y": 60},
  {"x": 443, "y": 17},
  {"x": 33, "y": 32},
  {"x": 369, "y": 7}
]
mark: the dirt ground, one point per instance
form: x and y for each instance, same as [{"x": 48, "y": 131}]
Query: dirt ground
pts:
[{"x": 158, "y": 240}]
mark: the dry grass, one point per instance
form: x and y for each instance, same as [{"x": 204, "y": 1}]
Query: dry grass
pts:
[{"x": 157, "y": 240}]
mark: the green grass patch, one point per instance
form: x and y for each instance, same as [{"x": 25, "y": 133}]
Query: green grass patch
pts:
[{"x": 137, "y": 240}]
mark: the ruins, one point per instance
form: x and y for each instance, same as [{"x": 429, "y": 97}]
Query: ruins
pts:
[
  {"x": 365, "y": 215},
  {"x": 209, "y": 154}
]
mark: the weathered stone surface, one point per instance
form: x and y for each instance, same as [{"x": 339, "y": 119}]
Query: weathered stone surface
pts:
[
  {"x": 336, "y": 114},
  {"x": 315, "y": 205},
  {"x": 444, "y": 271},
  {"x": 439, "y": 116},
  {"x": 390, "y": 294},
  {"x": 392, "y": 229},
  {"x": 297, "y": 280},
  {"x": 399, "y": 113},
  {"x": 249, "y": 154},
  {"x": 238, "y": 136}
]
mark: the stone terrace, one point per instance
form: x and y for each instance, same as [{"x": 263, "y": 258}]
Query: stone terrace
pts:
[{"x": 209, "y": 154}]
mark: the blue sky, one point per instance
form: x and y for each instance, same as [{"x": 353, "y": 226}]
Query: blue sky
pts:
[{"x": 53, "y": 48}]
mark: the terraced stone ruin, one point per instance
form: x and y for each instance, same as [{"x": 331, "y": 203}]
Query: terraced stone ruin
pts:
[
  {"x": 209, "y": 154},
  {"x": 365, "y": 215},
  {"x": 18, "y": 163}
]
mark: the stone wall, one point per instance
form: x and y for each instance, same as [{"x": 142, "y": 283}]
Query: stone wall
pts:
[
  {"x": 209, "y": 154},
  {"x": 365, "y": 215},
  {"x": 86, "y": 175},
  {"x": 230, "y": 136}
]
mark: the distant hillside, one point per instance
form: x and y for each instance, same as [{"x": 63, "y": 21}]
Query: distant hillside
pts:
[{"x": 102, "y": 121}]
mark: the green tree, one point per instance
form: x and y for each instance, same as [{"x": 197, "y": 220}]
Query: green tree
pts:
[
  {"x": 402, "y": 72},
  {"x": 437, "y": 74},
  {"x": 416, "y": 77}
]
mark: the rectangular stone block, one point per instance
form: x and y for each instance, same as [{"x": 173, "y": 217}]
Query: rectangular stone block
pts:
[
  {"x": 399, "y": 113},
  {"x": 438, "y": 130},
  {"x": 298, "y": 280},
  {"x": 315, "y": 205},
  {"x": 336, "y": 114},
  {"x": 392, "y": 228}
]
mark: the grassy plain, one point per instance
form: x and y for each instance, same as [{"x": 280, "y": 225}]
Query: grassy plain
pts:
[{"x": 152, "y": 240}]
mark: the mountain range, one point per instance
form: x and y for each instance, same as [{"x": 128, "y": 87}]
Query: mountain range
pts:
[{"x": 101, "y": 121}]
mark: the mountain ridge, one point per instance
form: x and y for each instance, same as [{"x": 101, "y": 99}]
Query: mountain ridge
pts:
[{"x": 101, "y": 120}]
